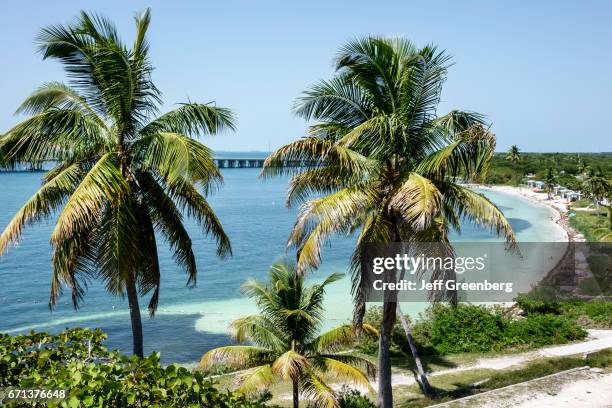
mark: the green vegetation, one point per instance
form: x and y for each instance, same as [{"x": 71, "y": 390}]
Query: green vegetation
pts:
[
  {"x": 536, "y": 369},
  {"x": 286, "y": 344},
  {"x": 592, "y": 314},
  {"x": 75, "y": 360},
  {"x": 595, "y": 225},
  {"x": 379, "y": 160},
  {"x": 354, "y": 399},
  {"x": 445, "y": 330},
  {"x": 120, "y": 172},
  {"x": 565, "y": 165}
]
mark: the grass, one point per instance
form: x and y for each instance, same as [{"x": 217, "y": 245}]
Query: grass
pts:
[{"x": 592, "y": 224}]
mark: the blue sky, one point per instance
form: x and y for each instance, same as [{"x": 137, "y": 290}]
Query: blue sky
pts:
[{"x": 540, "y": 70}]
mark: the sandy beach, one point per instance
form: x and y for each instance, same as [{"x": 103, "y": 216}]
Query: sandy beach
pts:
[{"x": 559, "y": 206}]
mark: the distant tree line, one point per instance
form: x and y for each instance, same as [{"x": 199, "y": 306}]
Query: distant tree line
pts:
[{"x": 566, "y": 167}]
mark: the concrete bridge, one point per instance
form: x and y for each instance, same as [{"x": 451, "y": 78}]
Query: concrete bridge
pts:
[
  {"x": 233, "y": 163},
  {"x": 245, "y": 163}
]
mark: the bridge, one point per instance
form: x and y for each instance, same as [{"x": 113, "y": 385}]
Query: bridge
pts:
[
  {"x": 245, "y": 163},
  {"x": 238, "y": 163}
]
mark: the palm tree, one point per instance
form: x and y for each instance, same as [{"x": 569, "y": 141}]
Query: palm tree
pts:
[
  {"x": 597, "y": 185},
  {"x": 120, "y": 174},
  {"x": 285, "y": 341},
  {"x": 380, "y": 161},
  {"x": 583, "y": 167},
  {"x": 514, "y": 154},
  {"x": 549, "y": 182}
]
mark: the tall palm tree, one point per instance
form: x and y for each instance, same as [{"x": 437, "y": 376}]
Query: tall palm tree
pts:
[
  {"x": 597, "y": 185},
  {"x": 549, "y": 182},
  {"x": 121, "y": 174},
  {"x": 286, "y": 344},
  {"x": 514, "y": 154},
  {"x": 380, "y": 161}
]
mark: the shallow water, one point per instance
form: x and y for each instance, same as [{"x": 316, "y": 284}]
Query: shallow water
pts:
[{"x": 191, "y": 321}]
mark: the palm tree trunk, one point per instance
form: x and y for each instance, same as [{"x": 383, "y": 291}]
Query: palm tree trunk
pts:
[
  {"x": 415, "y": 353},
  {"x": 296, "y": 394},
  {"x": 385, "y": 389},
  {"x": 135, "y": 318}
]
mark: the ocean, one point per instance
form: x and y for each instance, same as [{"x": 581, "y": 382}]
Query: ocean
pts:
[{"x": 191, "y": 321}]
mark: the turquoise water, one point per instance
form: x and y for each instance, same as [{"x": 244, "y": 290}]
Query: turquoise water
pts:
[{"x": 191, "y": 321}]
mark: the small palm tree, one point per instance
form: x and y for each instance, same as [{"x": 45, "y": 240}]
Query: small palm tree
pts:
[
  {"x": 549, "y": 182},
  {"x": 514, "y": 154},
  {"x": 380, "y": 161},
  {"x": 582, "y": 166},
  {"x": 286, "y": 343},
  {"x": 120, "y": 174}
]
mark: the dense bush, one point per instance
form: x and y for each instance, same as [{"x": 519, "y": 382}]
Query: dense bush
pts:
[
  {"x": 76, "y": 360},
  {"x": 465, "y": 328},
  {"x": 530, "y": 305},
  {"x": 445, "y": 329},
  {"x": 593, "y": 313},
  {"x": 542, "y": 329}
]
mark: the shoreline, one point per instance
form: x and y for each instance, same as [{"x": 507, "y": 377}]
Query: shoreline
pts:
[{"x": 559, "y": 208}]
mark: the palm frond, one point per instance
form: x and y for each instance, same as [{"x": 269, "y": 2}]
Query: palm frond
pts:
[
  {"x": 196, "y": 206},
  {"x": 42, "y": 204},
  {"x": 149, "y": 273},
  {"x": 258, "y": 330},
  {"x": 120, "y": 255},
  {"x": 255, "y": 379},
  {"x": 477, "y": 208},
  {"x": 339, "y": 338},
  {"x": 337, "y": 369},
  {"x": 290, "y": 365},
  {"x": 53, "y": 135},
  {"x": 468, "y": 156},
  {"x": 339, "y": 100},
  {"x": 103, "y": 183},
  {"x": 193, "y": 119},
  {"x": 321, "y": 217},
  {"x": 237, "y": 357},
  {"x": 417, "y": 201},
  {"x": 318, "y": 392},
  {"x": 176, "y": 157},
  {"x": 169, "y": 221}
]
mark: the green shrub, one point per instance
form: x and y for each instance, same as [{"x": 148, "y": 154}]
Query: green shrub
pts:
[
  {"x": 468, "y": 328},
  {"x": 533, "y": 305},
  {"x": 465, "y": 328},
  {"x": 76, "y": 360},
  {"x": 598, "y": 311},
  {"x": 353, "y": 399},
  {"x": 542, "y": 329}
]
